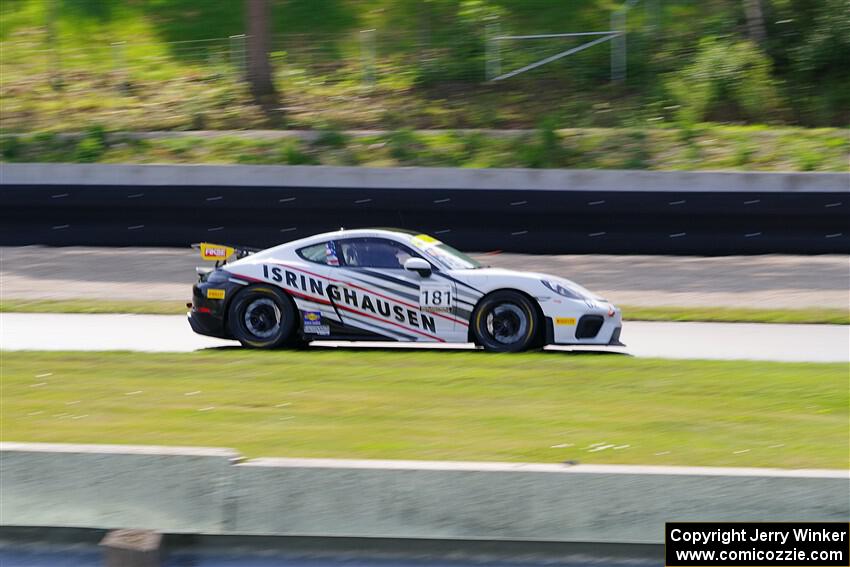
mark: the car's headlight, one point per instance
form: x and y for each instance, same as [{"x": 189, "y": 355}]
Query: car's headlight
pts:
[{"x": 561, "y": 289}]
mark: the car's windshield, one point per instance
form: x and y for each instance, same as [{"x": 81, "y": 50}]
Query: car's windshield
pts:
[{"x": 444, "y": 254}]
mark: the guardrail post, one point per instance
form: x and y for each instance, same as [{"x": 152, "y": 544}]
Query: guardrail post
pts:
[
  {"x": 367, "y": 56},
  {"x": 55, "y": 64},
  {"x": 237, "y": 55},
  {"x": 119, "y": 65},
  {"x": 493, "y": 57},
  {"x": 618, "y": 45}
]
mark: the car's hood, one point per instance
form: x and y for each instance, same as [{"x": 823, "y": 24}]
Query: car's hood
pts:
[{"x": 532, "y": 282}]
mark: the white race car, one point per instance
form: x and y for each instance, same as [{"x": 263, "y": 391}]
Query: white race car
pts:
[{"x": 389, "y": 285}]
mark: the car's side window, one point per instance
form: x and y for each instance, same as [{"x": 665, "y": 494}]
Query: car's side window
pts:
[
  {"x": 322, "y": 253},
  {"x": 374, "y": 253}
]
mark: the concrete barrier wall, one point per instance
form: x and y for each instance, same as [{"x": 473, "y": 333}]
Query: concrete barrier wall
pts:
[
  {"x": 421, "y": 178},
  {"x": 514, "y": 210},
  {"x": 113, "y": 486},
  {"x": 208, "y": 491},
  {"x": 584, "y": 503}
]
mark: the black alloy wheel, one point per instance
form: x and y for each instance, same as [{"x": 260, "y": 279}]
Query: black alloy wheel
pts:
[
  {"x": 262, "y": 317},
  {"x": 507, "y": 321}
]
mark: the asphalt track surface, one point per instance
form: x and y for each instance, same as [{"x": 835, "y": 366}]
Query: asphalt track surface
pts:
[
  {"x": 171, "y": 333},
  {"x": 762, "y": 282}
]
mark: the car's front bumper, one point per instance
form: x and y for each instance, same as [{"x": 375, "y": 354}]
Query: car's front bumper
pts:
[{"x": 591, "y": 327}]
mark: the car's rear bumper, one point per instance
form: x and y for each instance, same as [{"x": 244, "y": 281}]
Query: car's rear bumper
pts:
[
  {"x": 207, "y": 315},
  {"x": 206, "y": 324}
]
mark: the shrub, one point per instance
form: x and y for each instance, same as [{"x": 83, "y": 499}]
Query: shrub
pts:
[
  {"x": 331, "y": 138},
  {"x": 638, "y": 156},
  {"x": 97, "y": 133},
  {"x": 462, "y": 56},
  {"x": 10, "y": 147},
  {"x": 728, "y": 80},
  {"x": 293, "y": 155},
  {"x": 808, "y": 160},
  {"x": 89, "y": 150},
  {"x": 92, "y": 146},
  {"x": 404, "y": 145},
  {"x": 744, "y": 154},
  {"x": 547, "y": 149}
]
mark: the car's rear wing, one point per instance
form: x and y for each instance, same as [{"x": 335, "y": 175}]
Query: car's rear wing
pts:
[{"x": 220, "y": 253}]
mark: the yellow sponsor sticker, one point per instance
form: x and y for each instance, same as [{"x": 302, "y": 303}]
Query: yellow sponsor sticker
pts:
[
  {"x": 427, "y": 239},
  {"x": 215, "y": 251},
  {"x": 565, "y": 320},
  {"x": 423, "y": 241},
  {"x": 215, "y": 294}
]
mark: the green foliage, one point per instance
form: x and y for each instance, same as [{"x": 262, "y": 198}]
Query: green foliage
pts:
[
  {"x": 704, "y": 147},
  {"x": 404, "y": 145},
  {"x": 464, "y": 49},
  {"x": 744, "y": 154},
  {"x": 819, "y": 60},
  {"x": 546, "y": 148},
  {"x": 729, "y": 78},
  {"x": 98, "y": 134},
  {"x": 10, "y": 147},
  {"x": 637, "y": 151},
  {"x": 88, "y": 151},
  {"x": 92, "y": 146},
  {"x": 808, "y": 160},
  {"x": 179, "y": 146},
  {"x": 292, "y": 154},
  {"x": 438, "y": 44},
  {"x": 331, "y": 138}
]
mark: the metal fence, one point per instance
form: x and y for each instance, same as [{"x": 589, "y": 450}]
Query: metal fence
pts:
[
  {"x": 371, "y": 54},
  {"x": 132, "y": 76}
]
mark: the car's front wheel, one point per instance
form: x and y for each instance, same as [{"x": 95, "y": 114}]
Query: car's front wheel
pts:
[
  {"x": 262, "y": 317},
  {"x": 506, "y": 321}
]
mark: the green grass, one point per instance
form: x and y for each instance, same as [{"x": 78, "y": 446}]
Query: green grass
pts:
[
  {"x": 631, "y": 312},
  {"x": 736, "y": 315},
  {"x": 710, "y": 147},
  {"x": 91, "y": 306},
  {"x": 537, "y": 407}
]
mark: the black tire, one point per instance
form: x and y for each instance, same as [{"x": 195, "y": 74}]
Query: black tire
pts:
[
  {"x": 262, "y": 317},
  {"x": 506, "y": 321}
]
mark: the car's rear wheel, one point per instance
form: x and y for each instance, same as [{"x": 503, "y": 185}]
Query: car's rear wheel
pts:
[
  {"x": 262, "y": 317},
  {"x": 506, "y": 321}
]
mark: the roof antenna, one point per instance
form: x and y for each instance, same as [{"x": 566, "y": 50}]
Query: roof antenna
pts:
[{"x": 342, "y": 228}]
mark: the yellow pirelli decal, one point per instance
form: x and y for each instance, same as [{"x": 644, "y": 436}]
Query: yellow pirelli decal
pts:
[
  {"x": 565, "y": 320},
  {"x": 215, "y": 294}
]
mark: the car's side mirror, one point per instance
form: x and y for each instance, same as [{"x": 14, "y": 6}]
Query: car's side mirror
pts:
[{"x": 422, "y": 267}]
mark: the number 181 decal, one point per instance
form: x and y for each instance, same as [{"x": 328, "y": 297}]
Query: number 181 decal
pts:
[{"x": 435, "y": 298}]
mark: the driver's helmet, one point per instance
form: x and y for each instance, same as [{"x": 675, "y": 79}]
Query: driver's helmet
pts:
[{"x": 381, "y": 255}]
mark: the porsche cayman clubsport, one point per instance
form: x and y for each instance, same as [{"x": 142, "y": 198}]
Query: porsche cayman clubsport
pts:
[{"x": 389, "y": 285}]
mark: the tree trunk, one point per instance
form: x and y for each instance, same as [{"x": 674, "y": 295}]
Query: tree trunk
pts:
[
  {"x": 755, "y": 21},
  {"x": 258, "y": 17}
]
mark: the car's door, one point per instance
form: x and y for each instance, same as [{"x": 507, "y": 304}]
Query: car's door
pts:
[
  {"x": 404, "y": 304},
  {"x": 312, "y": 284}
]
